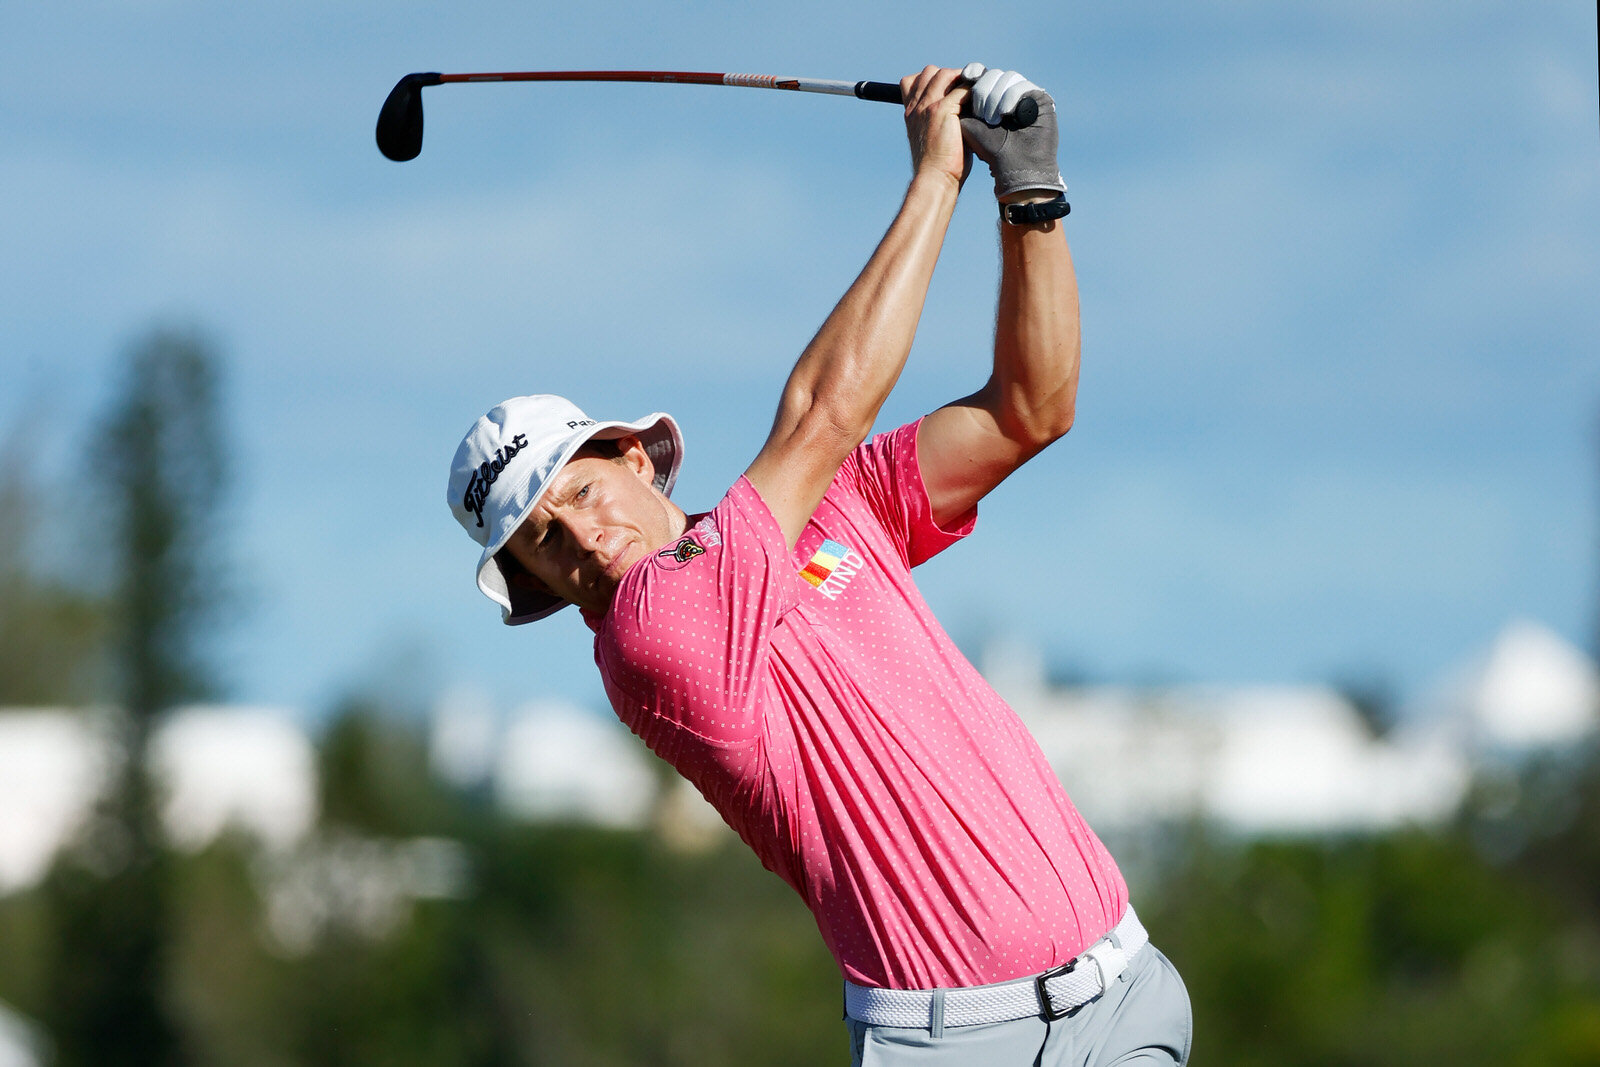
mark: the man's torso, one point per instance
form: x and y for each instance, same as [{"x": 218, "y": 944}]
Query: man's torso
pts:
[{"x": 815, "y": 701}]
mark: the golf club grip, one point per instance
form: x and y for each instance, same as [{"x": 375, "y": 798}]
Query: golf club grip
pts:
[
  {"x": 1024, "y": 115},
  {"x": 883, "y": 92}
]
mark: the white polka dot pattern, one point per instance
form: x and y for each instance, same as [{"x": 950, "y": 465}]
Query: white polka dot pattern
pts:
[{"x": 850, "y": 743}]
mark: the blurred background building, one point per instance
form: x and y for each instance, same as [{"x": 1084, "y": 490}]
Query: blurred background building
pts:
[{"x": 1253, "y": 759}]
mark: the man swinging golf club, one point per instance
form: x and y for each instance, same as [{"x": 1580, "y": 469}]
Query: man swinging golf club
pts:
[{"x": 776, "y": 651}]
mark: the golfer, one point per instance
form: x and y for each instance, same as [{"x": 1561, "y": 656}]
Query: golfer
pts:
[{"x": 776, "y": 651}]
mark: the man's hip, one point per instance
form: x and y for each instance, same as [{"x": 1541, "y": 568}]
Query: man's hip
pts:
[{"x": 1121, "y": 1002}]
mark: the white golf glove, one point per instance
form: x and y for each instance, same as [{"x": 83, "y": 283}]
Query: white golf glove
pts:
[{"x": 1020, "y": 159}]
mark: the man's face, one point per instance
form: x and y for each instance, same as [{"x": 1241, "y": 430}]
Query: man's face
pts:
[{"x": 598, "y": 518}]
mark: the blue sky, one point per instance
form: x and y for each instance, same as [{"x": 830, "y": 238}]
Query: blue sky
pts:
[{"x": 1340, "y": 409}]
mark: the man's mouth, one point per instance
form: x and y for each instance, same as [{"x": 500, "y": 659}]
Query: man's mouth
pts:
[{"x": 613, "y": 569}]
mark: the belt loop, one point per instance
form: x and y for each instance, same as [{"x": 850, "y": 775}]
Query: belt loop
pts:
[{"x": 936, "y": 1014}]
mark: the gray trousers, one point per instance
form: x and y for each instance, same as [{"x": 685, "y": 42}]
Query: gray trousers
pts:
[{"x": 1143, "y": 1020}]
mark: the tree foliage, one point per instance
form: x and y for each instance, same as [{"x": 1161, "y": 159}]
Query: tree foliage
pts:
[
  {"x": 52, "y": 628},
  {"x": 1396, "y": 949},
  {"x": 164, "y": 476},
  {"x": 574, "y": 945},
  {"x": 109, "y": 997}
]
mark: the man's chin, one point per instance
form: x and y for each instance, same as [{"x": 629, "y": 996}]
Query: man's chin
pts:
[
  {"x": 600, "y": 595},
  {"x": 597, "y": 599}
]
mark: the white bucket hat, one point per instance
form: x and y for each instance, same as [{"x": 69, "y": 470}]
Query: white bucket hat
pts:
[{"x": 506, "y": 461}]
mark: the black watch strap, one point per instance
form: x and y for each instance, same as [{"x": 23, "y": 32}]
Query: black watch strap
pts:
[{"x": 1043, "y": 211}]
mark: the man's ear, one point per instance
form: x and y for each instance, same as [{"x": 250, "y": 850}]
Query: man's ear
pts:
[{"x": 636, "y": 458}]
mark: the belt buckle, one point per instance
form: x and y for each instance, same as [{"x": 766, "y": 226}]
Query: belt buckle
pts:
[{"x": 1050, "y": 1014}]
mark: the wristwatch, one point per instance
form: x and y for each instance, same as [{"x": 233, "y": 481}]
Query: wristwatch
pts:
[{"x": 1043, "y": 211}]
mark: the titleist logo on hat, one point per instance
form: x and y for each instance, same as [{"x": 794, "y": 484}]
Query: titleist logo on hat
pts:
[{"x": 488, "y": 473}]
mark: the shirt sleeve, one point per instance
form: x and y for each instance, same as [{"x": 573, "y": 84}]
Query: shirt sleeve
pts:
[
  {"x": 684, "y": 647},
  {"x": 887, "y": 475}
]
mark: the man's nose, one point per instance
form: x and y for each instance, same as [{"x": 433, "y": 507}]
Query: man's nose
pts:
[{"x": 583, "y": 529}]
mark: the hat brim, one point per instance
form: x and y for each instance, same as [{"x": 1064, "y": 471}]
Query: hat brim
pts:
[{"x": 663, "y": 443}]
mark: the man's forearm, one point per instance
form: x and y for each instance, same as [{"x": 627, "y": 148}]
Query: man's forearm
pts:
[{"x": 1036, "y": 334}]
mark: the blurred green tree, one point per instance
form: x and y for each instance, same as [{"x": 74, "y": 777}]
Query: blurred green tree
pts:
[
  {"x": 161, "y": 466},
  {"x": 52, "y": 631},
  {"x": 374, "y": 776},
  {"x": 571, "y": 945},
  {"x": 1395, "y": 949}
]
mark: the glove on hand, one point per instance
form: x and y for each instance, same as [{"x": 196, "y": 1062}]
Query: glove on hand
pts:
[{"x": 1020, "y": 159}]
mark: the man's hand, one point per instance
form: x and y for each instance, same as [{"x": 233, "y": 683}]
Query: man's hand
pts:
[
  {"x": 933, "y": 125},
  {"x": 1022, "y": 160}
]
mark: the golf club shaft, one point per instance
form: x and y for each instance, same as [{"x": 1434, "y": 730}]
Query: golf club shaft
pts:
[
  {"x": 399, "y": 130},
  {"x": 887, "y": 92}
]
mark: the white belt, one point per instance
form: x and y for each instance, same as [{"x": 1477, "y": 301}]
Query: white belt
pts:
[{"x": 1051, "y": 995}]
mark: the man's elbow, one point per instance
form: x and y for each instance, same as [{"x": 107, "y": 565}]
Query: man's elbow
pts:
[
  {"x": 1036, "y": 426},
  {"x": 1063, "y": 423},
  {"x": 1049, "y": 432},
  {"x": 823, "y": 424}
]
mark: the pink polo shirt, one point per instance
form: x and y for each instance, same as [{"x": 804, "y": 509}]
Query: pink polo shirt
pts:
[{"x": 814, "y": 700}]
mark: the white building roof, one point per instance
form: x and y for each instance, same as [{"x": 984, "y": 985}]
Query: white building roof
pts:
[
  {"x": 51, "y": 765},
  {"x": 251, "y": 768},
  {"x": 1530, "y": 689},
  {"x": 1297, "y": 759},
  {"x": 559, "y": 761},
  {"x": 1257, "y": 759},
  {"x": 1300, "y": 760}
]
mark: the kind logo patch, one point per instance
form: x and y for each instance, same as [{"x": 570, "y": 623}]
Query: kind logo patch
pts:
[
  {"x": 707, "y": 531},
  {"x": 680, "y": 554},
  {"x": 831, "y": 568}
]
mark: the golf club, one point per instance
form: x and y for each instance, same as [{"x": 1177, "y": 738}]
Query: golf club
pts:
[{"x": 400, "y": 120}]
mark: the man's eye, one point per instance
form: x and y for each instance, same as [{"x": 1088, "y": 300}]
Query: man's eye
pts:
[{"x": 583, "y": 492}]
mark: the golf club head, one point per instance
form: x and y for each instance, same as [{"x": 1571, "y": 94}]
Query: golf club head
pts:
[{"x": 400, "y": 119}]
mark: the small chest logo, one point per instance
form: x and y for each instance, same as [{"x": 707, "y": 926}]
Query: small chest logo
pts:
[
  {"x": 707, "y": 530},
  {"x": 680, "y": 554},
  {"x": 831, "y": 568}
]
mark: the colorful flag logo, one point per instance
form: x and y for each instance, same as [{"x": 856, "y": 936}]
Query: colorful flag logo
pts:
[{"x": 823, "y": 562}]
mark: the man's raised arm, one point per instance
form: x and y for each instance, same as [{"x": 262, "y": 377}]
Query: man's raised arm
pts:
[
  {"x": 847, "y": 371},
  {"x": 968, "y": 447}
]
